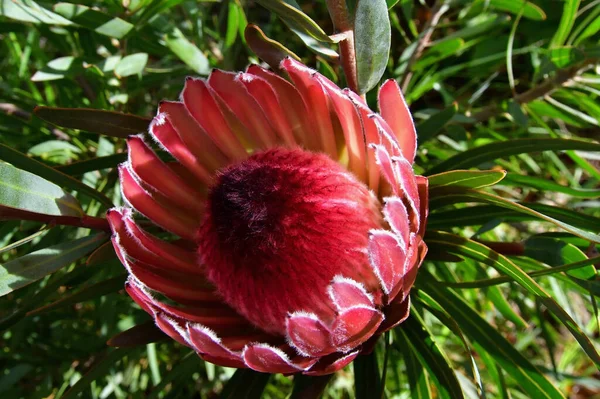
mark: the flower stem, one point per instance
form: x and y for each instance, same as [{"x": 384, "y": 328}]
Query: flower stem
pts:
[
  {"x": 85, "y": 221},
  {"x": 345, "y": 26}
]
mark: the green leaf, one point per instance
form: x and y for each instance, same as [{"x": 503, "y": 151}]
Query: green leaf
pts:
[
  {"x": 289, "y": 11},
  {"x": 471, "y": 249},
  {"x": 187, "y": 52},
  {"x": 567, "y": 21},
  {"x": 467, "y": 195},
  {"x": 19, "y": 272},
  {"x": 530, "y": 379},
  {"x": 556, "y": 252},
  {"x": 372, "y": 40},
  {"x": 100, "y": 368},
  {"x": 22, "y": 161},
  {"x": 59, "y": 68},
  {"x": 110, "y": 123},
  {"x": 417, "y": 376},
  {"x": 89, "y": 165},
  {"x": 438, "y": 52},
  {"x": 528, "y": 9},
  {"x": 427, "y": 129},
  {"x": 309, "y": 387},
  {"x": 270, "y": 51},
  {"x": 489, "y": 152},
  {"x": 23, "y": 190},
  {"x": 466, "y": 178},
  {"x": 95, "y": 20},
  {"x": 245, "y": 384},
  {"x": 140, "y": 334},
  {"x": 518, "y": 180},
  {"x": 30, "y": 11},
  {"x": 132, "y": 64},
  {"x": 429, "y": 354},
  {"x": 591, "y": 29},
  {"x": 367, "y": 378},
  {"x": 84, "y": 294},
  {"x": 563, "y": 57}
]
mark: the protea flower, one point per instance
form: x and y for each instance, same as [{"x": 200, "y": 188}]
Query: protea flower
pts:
[{"x": 297, "y": 215}]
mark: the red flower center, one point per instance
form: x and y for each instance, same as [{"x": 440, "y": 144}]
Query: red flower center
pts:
[{"x": 278, "y": 227}]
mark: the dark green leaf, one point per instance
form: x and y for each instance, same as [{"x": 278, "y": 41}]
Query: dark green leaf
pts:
[
  {"x": 367, "y": 378},
  {"x": 519, "y": 180},
  {"x": 93, "y": 19},
  {"x": 567, "y": 20},
  {"x": 492, "y": 151},
  {"x": 268, "y": 50},
  {"x": 427, "y": 129},
  {"x": 245, "y": 384},
  {"x": 308, "y": 387},
  {"x": 186, "y": 51},
  {"x": 31, "y": 267},
  {"x": 30, "y": 11},
  {"x": 59, "y": 68},
  {"x": 529, "y": 9},
  {"x": 110, "y": 123}
]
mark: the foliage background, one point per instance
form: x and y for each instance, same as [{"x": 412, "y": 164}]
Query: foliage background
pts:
[{"x": 483, "y": 74}]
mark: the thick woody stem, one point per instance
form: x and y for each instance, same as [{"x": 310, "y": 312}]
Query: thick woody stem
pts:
[
  {"x": 345, "y": 26},
  {"x": 506, "y": 248},
  {"x": 85, "y": 221},
  {"x": 561, "y": 77}
]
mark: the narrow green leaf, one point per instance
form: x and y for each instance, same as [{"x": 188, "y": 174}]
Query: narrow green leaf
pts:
[
  {"x": 84, "y": 294},
  {"x": 527, "y": 8},
  {"x": 431, "y": 356},
  {"x": 555, "y": 252},
  {"x": 95, "y": 20},
  {"x": 30, "y": 165},
  {"x": 492, "y": 151},
  {"x": 89, "y": 165},
  {"x": 427, "y": 129},
  {"x": 187, "y": 52},
  {"x": 563, "y": 57},
  {"x": 567, "y": 21},
  {"x": 372, "y": 40},
  {"x": 180, "y": 374},
  {"x": 110, "y": 123},
  {"x": 270, "y": 51},
  {"x": 140, "y": 334},
  {"x": 59, "y": 68},
  {"x": 467, "y": 195},
  {"x": 518, "y": 180},
  {"x": 245, "y": 384},
  {"x": 464, "y": 247},
  {"x": 367, "y": 378},
  {"x": 591, "y": 29},
  {"x": 19, "y": 272},
  {"x": 30, "y": 11},
  {"x": 417, "y": 376},
  {"x": 132, "y": 64},
  {"x": 531, "y": 380},
  {"x": 438, "y": 52},
  {"x": 99, "y": 369},
  {"x": 466, "y": 178},
  {"x": 25, "y": 191},
  {"x": 289, "y": 11},
  {"x": 308, "y": 387}
]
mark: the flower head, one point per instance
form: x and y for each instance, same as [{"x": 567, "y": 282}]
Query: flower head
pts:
[{"x": 297, "y": 217}]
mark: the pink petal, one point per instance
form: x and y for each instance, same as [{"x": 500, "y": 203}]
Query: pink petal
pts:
[
  {"x": 346, "y": 293},
  {"x": 265, "y": 96},
  {"x": 268, "y": 359},
  {"x": 308, "y": 334},
  {"x": 423, "y": 187},
  {"x": 246, "y": 109},
  {"x": 408, "y": 182},
  {"x": 171, "y": 328},
  {"x": 329, "y": 365},
  {"x": 168, "y": 218},
  {"x": 203, "y": 107},
  {"x": 387, "y": 258},
  {"x": 160, "y": 177},
  {"x": 397, "y": 217},
  {"x": 192, "y": 134},
  {"x": 165, "y": 134},
  {"x": 353, "y": 131},
  {"x": 314, "y": 97},
  {"x": 394, "y": 110},
  {"x": 354, "y": 326},
  {"x": 386, "y": 166},
  {"x": 395, "y": 313},
  {"x": 205, "y": 341}
]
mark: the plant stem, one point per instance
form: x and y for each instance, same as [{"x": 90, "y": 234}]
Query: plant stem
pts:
[
  {"x": 85, "y": 221},
  {"x": 345, "y": 27},
  {"x": 561, "y": 77},
  {"x": 505, "y": 248},
  {"x": 440, "y": 7}
]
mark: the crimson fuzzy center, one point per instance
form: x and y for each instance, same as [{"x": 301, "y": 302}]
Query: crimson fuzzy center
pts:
[{"x": 279, "y": 227}]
